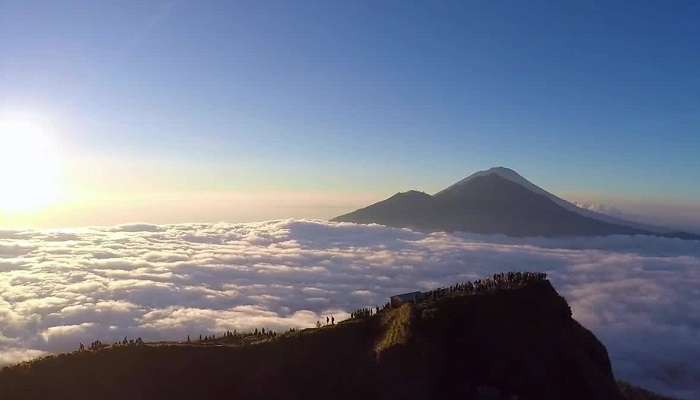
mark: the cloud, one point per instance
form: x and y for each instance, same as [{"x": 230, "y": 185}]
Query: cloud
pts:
[
  {"x": 11, "y": 355},
  {"x": 13, "y": 250},
  {"x": 136, "y": 228},
  {"x": 163, "y": 282},
  {"x": 603, "y": 209}
]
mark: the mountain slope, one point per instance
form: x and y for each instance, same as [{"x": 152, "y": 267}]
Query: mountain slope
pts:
[
  {"x": 514, "y": 177},
  {"x": 495, "y": 201},
  {"x": 498, "y": 340},
  {"x": 492, "y": 204},
  {"x": 418, "y": 206}
]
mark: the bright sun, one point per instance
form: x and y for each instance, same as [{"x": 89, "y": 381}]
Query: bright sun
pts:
[{"x": 29, "y": 164}]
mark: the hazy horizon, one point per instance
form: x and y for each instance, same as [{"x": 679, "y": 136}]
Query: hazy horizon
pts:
[{"x": 175, "y": 208}]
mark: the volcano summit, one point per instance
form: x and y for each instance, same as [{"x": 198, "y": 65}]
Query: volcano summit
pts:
[{"x": 498, "y": 201}]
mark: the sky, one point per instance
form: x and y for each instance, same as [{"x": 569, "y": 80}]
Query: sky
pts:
[{"x": 167, "y": 112}]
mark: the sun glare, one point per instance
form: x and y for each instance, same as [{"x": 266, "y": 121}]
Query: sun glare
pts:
[{"x": 29, "y": 164}]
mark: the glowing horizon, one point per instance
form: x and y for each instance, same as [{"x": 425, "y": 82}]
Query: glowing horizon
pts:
[{"x": 48, "y": 187}]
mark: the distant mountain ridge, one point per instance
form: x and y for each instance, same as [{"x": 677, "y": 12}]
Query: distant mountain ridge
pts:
[{"x": 498, "y": 201}]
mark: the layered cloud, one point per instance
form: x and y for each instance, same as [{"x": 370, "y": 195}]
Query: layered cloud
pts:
[{"x": 640, "y": 295}]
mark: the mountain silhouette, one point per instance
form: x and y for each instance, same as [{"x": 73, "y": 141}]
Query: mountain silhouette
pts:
[
  {"x": 507, "y": 337},
  {"x": 497, "y": 201}
]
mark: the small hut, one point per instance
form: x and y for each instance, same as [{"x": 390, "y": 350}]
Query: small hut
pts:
[{"x": 411, "y": 297}]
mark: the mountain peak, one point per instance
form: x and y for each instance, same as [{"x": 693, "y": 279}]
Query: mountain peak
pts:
[
  {"x": 500, "y": 170},
  {"x": 497, "y": 200},
  {"x": 503, "y": 172}
]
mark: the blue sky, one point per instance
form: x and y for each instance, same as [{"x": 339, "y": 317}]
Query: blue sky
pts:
[{"x": 597, "y": 101}]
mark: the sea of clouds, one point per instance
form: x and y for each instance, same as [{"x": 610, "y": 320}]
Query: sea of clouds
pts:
[{"x": 640, "y": 295}]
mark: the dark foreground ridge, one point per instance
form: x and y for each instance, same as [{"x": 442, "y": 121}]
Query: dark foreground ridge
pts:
[{"x": 506, "y": 337}]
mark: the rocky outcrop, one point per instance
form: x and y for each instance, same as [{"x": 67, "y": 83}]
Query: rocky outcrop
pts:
[{"x": 515, "y": 343}]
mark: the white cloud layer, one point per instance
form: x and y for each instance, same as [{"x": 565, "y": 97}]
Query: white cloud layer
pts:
[{"x": 640, "y": 295}]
